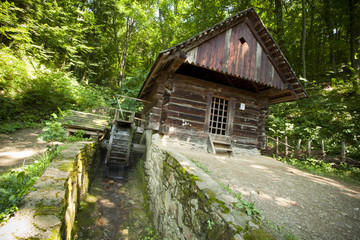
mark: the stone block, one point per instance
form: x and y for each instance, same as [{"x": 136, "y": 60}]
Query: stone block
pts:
[
  {"x": 238, "y": 237},
  {"x": 187, "y": 233},
  {"x": 194, "y": 202},
  {"x": 43, "y": 212},
  {"x": 180, "y": 215},
  {"x": 45, "y": 222}
]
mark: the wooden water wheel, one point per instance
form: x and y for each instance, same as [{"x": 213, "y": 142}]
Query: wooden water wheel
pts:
[{"x": 119, "y": 147}]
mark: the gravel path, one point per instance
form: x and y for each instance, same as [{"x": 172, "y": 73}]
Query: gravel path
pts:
[{"x": 306, "y": 205}]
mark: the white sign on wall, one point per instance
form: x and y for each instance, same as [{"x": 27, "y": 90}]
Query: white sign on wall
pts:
[{"x": 242, "y": 106}]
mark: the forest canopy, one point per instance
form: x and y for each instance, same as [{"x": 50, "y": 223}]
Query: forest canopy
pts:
[{"x": 78, "y": 54}]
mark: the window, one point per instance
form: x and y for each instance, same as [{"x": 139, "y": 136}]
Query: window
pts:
[
  {"x": 242, "y": 40},
  {"x": 218, "y": 116}
]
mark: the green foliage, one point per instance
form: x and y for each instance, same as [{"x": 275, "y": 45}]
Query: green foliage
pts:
[
  {"x": 248, "y": 207},
  {"x": 342, "y": 171},
  {"x": 31, "y": 97},
  {"x": 200, "y": 165},
  {"x": 55, "y": 131},
  {"x": 150, "y": 234},
  {"x": 14, "y": 72},
  {"x": 47, "y": 92},
  {"x": 41, "y": 49},
  {"x": 210, "y": 224},
  {"x": 16, "y": 184},
  {"x": 329, "y": 114},
  {"x": 77, "y": 136}
]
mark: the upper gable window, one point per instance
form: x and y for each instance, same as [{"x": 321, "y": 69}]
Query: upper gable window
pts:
[{"x": 242, "y": 40}]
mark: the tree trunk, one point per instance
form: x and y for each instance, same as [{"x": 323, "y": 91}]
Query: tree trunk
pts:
[
  {"x": 352, "y": 41},
  {"x": 329, "y": 21},
  {"x": 129, "y": 30},
  {"x": 303, "y": 60},
  {"x": 162, "y": 29},
  {"x": 279, "y": 25}
]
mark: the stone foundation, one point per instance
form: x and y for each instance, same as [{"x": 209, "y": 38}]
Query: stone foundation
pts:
[
  {"x": 187, "y": 203},
  {"x": 49, "y": 210}
]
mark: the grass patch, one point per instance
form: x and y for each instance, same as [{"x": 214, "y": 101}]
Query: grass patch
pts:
[
  {"x": 13, "y": 126},
  {"x": 341, "y": 171},
  {"x": 200, "y": 165},
  {"x": 248, "y": 207},
  {"x": 15, "y": 184}
]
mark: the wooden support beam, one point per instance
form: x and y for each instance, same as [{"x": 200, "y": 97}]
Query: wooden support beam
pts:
[
  {"x": 298, "y": 146},
  {"x": 227, "y": 79},
  {"x": 309, "y": 148},
  {"x": 137, "y": 99},
  {"x": 255, "y": 86},
  {"x": 343, "y": 152}
]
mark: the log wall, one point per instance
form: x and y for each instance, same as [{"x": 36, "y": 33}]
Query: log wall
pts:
[{"x": 182, "y": 107}]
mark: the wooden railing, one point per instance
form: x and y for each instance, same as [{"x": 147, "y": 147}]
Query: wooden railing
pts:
[
  {"x": 297, "y": 149},
  {"x": 123, "y": 115}
]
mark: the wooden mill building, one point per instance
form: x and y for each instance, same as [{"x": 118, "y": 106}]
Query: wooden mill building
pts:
[{"x": 216, "y": 87}]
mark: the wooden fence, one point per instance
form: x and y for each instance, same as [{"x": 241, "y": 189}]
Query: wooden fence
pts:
[{"x": 297, "y": 150}]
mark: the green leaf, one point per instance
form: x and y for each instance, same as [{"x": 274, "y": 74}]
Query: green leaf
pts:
[{"x": 12, "y": 198}]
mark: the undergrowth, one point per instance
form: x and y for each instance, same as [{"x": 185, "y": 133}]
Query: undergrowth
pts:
[
  {"x": 15, "y": 184},
  {"x": 55, "y": 131},
  {"x": 248, "y": 207},
  {"x": 341, "y": 171},
  {"x": 200, "y": 165}
]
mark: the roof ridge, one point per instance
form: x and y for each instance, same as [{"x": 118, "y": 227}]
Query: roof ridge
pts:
[{"x": 203, "y": 33}]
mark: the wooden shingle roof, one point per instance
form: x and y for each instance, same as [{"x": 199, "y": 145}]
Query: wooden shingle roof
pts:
[{"x": 239, "y": 48}]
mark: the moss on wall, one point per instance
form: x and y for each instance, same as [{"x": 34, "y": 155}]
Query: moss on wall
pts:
[{"x": 76, "y": 187}]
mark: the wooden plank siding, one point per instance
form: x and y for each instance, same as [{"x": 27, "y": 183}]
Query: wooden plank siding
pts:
[{"x": 248, "y": 60}]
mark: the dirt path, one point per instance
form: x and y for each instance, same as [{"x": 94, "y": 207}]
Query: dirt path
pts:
[
  {"x": 308, "y": 206},
  {"x": 20, "y": 147}
]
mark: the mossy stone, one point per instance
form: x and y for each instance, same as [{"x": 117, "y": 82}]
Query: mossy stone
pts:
[{"x": 66, "y": 167}]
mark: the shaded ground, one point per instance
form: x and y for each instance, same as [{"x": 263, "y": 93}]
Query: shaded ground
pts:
[
  {"x": 20, "y": 148},
  {"x": 113, "y": 210},
  {"x": 308, "y": 206}
]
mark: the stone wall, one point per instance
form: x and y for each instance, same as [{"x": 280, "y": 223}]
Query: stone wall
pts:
[
  {"x": 188, "y": 204},
  {"x": 50, "y": 208}
]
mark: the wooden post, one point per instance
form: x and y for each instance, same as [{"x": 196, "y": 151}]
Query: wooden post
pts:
[
  {"x": 277, "y": 145},
  {"x": 323, "y": 148},
  {"x": 286, "y": 146},
  {"x": 298, "y": 147},
  {"x": 309, "y": 147},
  {"x": 343, "y": 152}
]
